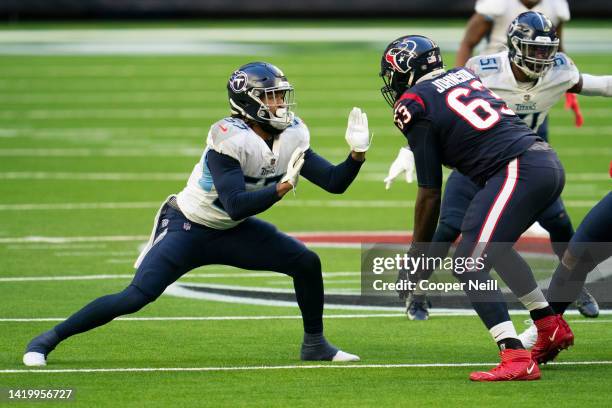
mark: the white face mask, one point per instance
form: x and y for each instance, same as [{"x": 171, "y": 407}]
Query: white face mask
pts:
[{"x": 283, "y": 115}]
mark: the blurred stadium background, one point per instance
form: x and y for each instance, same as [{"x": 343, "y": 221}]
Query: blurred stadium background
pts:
[{"x": 104, "y": 109}]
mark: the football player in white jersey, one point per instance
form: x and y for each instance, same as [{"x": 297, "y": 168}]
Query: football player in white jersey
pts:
[
  {"x": 492, "y": 18},
  {"x": 252, "y": 159},
  {"x": 490, "y": 22},
  {"x": 531, "y": 77}
]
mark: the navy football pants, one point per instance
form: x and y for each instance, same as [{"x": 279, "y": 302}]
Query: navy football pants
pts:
[
  {"x": 591, "y": 245},
  {"x": 498, "y": 214},
  {"x": 181, "y": 245}
]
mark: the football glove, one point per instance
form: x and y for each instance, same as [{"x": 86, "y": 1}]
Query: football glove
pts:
[
  {"x": 357, "y": 133},
  {"x": 293, "y": 168},
  {"x": 571, "y": 102},
  {"x": 403, "y": 163}
]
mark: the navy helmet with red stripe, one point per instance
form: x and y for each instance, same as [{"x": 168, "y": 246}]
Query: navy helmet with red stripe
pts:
[{"x": 406, "y": 60}]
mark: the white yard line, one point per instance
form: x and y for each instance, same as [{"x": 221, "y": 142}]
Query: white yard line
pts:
[
  {"x": 331, "y": 203},
  {"x": 436, "y": 312},
  {"x": 279, "y": 367},
  {"x": 112, "y": 176},
  {"x": 238, "y": 274}
]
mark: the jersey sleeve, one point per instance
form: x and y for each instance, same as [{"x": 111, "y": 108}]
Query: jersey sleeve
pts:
[
  {"x": 409, "y": 108},
  {"x": 426, "y": 155},
  {"x": 490, "y": 8},
  {"x": 562, "y": 10},
  {"x": 227, "y": 137},
  {"x": 303, "y": 133},
  {"x": 565, "y": 67}
]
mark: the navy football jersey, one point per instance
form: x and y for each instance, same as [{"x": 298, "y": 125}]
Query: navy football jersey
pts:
[{"x": 458, "y": 122}]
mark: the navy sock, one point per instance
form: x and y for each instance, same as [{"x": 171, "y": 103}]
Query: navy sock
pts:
[
  {"x": 538, "y": 314},
  {"x": 510, "y": 343},
  {"x": 316, "y": 347}
]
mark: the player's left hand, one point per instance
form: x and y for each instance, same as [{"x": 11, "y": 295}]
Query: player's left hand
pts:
[
  {"x": 403, "y": 163},
  {"x": 357, "y": 133},
  {"x": 293, "y": 168},
  {"x": 571, "y": 102}
]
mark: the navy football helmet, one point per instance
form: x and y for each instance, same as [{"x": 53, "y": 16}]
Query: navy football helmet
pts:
[
  {"x": 255, "y": 88},
  {"x": 406, "y": 60},
  {"x": 532, "y": 43}
]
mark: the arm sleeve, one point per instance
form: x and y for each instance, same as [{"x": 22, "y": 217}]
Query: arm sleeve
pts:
[
  {"x": 593, "y": 85},
  {"x": 426, "y": 156},
  {"x": 562, "y": 10},
  {"x": 490, "y": 8},
  {"x": 229, "y": 182},
  {"x": 331, "y": 178},
  {"x": 408, "y": 109}
]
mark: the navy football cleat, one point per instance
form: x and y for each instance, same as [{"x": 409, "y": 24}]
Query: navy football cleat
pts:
[
  {"x": 586, "y": 304},
  {"x": 417, "y": 308}
]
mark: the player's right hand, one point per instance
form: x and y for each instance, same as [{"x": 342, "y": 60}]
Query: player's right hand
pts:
[
  {"x": 357, "y": 132},
  {"x": 403, "y": 163},
  {"x": 293, "y": 168}
]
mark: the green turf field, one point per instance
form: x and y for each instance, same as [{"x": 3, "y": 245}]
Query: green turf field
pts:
[{"x": 91, "y": 145}]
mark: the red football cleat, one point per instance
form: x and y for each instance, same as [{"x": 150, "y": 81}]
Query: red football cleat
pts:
[
  {"x": 516, "y": 365},
  {"x": 554, "y": 335}
]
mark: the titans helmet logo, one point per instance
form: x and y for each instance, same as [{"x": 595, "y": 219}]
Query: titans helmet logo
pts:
[
  {"x": 238, "y": 81},
  {"x": 400, "y": 55}
]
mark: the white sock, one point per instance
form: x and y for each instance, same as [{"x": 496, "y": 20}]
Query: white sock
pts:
[
  {"x": 503, "y": 330},
  {"x": 534, "y": 300}
]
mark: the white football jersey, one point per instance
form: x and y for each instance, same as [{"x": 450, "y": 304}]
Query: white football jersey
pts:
[
  {"x": 530, "y": 103},
  {"x": 503, "y": 12},
  {"x": 261, "y": 166}
]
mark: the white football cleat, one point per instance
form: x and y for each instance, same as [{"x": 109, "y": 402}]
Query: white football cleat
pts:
[
  {"x": 343, "y": 356},
  {"x": 34, "y": 359},
  {"x": 529, "y": 336}
]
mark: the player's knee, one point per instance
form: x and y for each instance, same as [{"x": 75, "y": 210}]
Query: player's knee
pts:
[
  {"x": 445, "y": 233},
  {"x": 559, "y": 227},
  {"x": 309, "y": 262},
  {"x": 132, "y": 299}
]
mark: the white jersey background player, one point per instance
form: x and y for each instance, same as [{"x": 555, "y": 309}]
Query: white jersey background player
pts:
[
  {"x": 491, "y": 20},
  {"x": 251, "y": 161},
  {"x": 531, "y": 76}
]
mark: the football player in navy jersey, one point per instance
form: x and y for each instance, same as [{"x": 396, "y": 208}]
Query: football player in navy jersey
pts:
[
  {"x": 531, "y": 76},
  {"x": 251, "y": 160},
  {"x": 450, "y": 118}
]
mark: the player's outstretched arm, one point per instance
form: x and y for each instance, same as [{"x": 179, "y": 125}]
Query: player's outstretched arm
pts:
[
  {"x": 336, "y": 178},
  {"x": 228, "y": 179},
  {"x": 593, "y": 85}
]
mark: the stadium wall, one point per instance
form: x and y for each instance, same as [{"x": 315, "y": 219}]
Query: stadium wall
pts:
[{"x": 12, "y": 10}]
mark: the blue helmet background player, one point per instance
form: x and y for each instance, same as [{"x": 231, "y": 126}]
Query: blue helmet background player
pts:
[{"x": 251, "y": 160}]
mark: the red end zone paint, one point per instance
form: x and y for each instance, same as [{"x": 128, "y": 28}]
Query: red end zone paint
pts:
[{"x": 532, "y": 244}]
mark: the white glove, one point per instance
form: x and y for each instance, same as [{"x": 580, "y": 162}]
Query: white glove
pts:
[
  {"x": 293, "y": 168},
  {"x": 357, "y": 132},
  {"x": 403, "y": 163}
]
